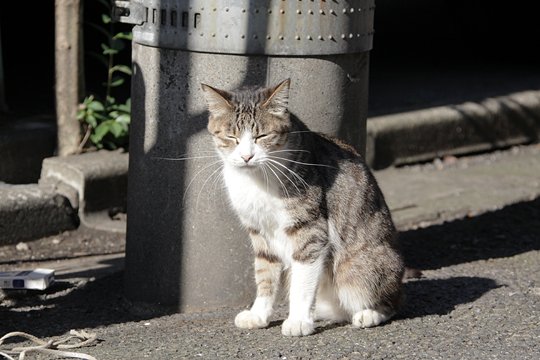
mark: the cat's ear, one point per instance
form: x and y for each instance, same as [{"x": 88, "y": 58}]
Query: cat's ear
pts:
[
  {"x": 219, "y": 101},
  {"x": 278, "y": 98}
]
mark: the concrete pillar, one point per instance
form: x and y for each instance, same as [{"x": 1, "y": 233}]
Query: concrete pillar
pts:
[{"x": 185, "y": 248}]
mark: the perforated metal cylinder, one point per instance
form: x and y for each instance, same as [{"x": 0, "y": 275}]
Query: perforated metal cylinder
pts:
[
  {"x": 286, "y": 28},
  {"x": 185, "y": 247}
]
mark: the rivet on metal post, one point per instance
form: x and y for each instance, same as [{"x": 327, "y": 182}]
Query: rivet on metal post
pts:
[{"x": 129, "y": 12}]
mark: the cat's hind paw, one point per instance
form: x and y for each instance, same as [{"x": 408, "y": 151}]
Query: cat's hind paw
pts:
[
  {"x": 368, "y": 318},
  {"x": 297, "y": 327},
  {"x": 247, "y": 319}
]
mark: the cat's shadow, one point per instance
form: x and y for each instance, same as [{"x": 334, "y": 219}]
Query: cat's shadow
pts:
[
  {"x": 275, "y": 323},
  {"x": 507, "y": 232},
  {"x": 425, "y": 297},
  {"x": 321, "y": 326}
]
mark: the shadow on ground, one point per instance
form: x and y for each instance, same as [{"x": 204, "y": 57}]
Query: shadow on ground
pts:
[
  {"x": 510, "y": 231},
  {"x": 441, "y": 296},
  {"x": 507, "y": 232},
  {"x": 65, "y": 306},
  {"x": 70, "y": 305}
]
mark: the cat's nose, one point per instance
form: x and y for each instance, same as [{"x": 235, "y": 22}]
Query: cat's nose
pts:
[{"x": 247, "y": 157}]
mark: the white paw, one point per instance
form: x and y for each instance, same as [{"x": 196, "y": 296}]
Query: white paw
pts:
[
  {"x": 249, "y": 320},
  {"x": 368, "y": 318},
  {"x": 297, "y": 327}
]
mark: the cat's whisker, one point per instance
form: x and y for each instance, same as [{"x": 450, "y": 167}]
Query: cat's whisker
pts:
[
  {"x": 216, "y": 180},
  {"x": 218, "y": 191},
  {"x": 204, "y": 184},
  {"x": 184, "y": 158},
  {"x": 265, "y": 174},
  {"x": 301, "y": 131},
  {"x": 277, "y": 177},
  {"x": 267, "y": 179},
  {"x": 302, "y": 163},
  {"x": 288, "y": 150},
  {"x": 198, "y": 151},
  {"x": 296, "y": 175},
  {"x": 287, "y": 177},
  {"x": 195, "y": 177},
  {"x": 304, "y": 183}
]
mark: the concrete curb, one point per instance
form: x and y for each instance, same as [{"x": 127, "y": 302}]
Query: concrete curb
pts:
[
  {"x": 95, "y": 184},
  {"x": 493, "y": 123},
  {"x": 32, "y": 211},
  {"x": 74, "y": 189}
]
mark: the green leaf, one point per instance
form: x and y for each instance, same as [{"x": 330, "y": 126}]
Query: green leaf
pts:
[
  {"x": 116, "y": 129},
  {"x": 101, "y": 117},
  {"x": 114, "y": 114},
  {"x": 88, "y": 100},
  {"x": 110, "y": 52},
  {"x": 122, "y": 68},
  {"x": 124, "y": 35},
  {"x": 110, "y": 101},
  {"x": 101, "y": 130},
  {"x": 117, "y": 82},
  {"x": 96, "y": 141},
  {"x": 123, "y": 108},
  {"x": 96, "y": 106},
  {"x": 81, "y": 115},
  {"x": 123, "y": 119},
  {"x": 91, "y": 120},
  {"x": 105, "y": 18}
]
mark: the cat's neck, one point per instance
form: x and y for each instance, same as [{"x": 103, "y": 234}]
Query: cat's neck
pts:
[{"x": 261, "y": 179}]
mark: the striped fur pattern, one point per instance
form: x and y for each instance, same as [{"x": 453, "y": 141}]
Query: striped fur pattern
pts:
[{"x": 313, "y": 211}]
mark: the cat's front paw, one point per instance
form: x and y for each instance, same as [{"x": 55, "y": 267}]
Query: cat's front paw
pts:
[
  {"x": 292, "y": 327},
  {"x": 368, "y": 318},
  {"x": 249, "y": 320}
]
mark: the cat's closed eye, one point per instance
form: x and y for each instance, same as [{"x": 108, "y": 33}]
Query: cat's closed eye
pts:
[
  {"x": 226, "y": 141},
  {"x": 267, "y": 136},
  {"x": 261, "y": 137},
  {"x": 233, "y": 138}
]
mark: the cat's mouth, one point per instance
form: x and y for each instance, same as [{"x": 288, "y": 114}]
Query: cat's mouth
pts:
[{"x": 251, "y": 165}]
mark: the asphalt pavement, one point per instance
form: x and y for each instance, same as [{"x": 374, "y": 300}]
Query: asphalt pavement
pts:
[{"x": 479, "y": 297}]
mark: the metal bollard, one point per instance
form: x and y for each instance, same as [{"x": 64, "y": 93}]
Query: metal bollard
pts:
[{"x": 185, "y": 249}]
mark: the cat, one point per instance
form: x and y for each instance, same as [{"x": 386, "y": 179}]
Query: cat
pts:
[{"x": 313, "y": 210}]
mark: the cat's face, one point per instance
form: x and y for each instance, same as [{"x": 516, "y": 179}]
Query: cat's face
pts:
[{"x": 247, "y": 126}]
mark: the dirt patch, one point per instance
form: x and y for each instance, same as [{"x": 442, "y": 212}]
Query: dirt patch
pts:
[{"x": 69, "y": 244}]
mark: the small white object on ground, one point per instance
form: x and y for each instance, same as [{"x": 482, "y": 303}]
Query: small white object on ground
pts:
[{"x": 37, "y": 279}]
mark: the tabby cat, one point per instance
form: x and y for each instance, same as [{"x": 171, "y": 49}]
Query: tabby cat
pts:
[{"x": 313, "y": 211}]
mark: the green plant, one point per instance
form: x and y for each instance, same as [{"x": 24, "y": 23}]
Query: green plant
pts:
[{"x": 105, "y": 121}]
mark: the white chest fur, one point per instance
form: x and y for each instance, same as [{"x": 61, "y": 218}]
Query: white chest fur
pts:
[{"x": 256, "y": 204}]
